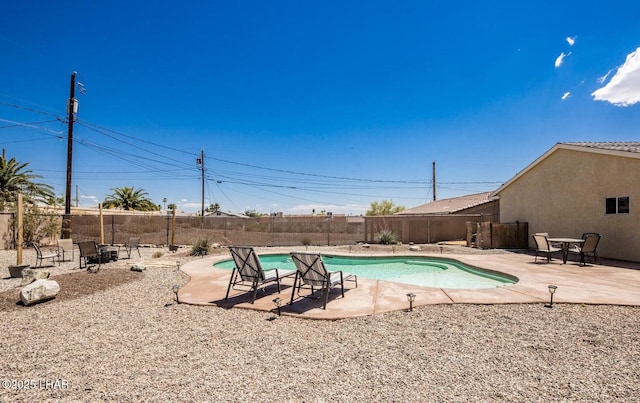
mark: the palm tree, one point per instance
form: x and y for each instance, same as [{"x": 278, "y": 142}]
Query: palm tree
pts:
[
  {"x": 15, "y": 178},
  {"x": 129, "y": 198}
]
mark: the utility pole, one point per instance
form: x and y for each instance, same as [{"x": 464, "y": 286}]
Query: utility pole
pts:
[
  {"x": 200, "y": 161},
  {"x": 72, "y": 109},
  {"x": 434, "y": 181}
]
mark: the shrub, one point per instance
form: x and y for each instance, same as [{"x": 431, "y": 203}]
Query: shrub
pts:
[
  {"x": 156, "y": 255},
  {"x": 386, "y": 237},
  {"x": 305, "y": 241},
  {"x": 200, "y": 247}
]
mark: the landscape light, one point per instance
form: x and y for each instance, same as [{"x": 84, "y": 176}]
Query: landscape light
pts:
[
  {"x": 178, "y": 264},
  {"x": 277, "y": 302},
  {"x": 552, "y": 290},
  {"x": 175, "y": 289},
  {"x": 411, "y": 297}
]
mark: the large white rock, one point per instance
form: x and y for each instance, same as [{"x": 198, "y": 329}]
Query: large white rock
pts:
[
  {"x": 39, "y": 290},
  {"x": 138, "y": 267}
]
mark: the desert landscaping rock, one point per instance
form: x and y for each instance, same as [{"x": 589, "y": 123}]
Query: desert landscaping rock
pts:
[
  {"x": 138, "y": 268},
  {"x": 31, "y": 275},
  {"x": 90, "y": 336},
  {"x": 39, "y": 290}
]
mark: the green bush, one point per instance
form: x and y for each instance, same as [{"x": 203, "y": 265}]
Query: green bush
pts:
[
  {"x": 386, "y": 237},
  {"x": 200, "y": 247}
]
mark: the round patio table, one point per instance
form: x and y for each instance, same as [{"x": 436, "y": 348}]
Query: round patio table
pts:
[{"x": 566, "y": 242}]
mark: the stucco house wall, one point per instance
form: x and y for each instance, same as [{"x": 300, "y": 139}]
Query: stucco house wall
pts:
[{"x": 564, "y": 192}]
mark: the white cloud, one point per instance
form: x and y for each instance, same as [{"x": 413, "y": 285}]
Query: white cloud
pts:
[
  {"x": 602, "y": 79},
  {"x": 566, "y": 95},
  {"x": 624, "y": 87},
  {"x": 560, "y": 59},
  {"x": 571, "y": 40}
]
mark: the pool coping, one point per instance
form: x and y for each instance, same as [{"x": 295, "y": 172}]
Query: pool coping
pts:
[{"x": 613, "y": 282}]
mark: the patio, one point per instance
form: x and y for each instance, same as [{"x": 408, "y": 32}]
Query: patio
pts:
[{"x": 612, "y": 282}]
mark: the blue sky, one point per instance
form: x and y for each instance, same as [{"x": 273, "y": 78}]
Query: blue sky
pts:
[{"x": 302, "y": 105}]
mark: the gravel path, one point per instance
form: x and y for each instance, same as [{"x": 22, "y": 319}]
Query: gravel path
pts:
[{"x": 125, "y": 343}]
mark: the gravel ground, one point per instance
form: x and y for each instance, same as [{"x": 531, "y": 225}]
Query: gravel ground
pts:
[{"x": 116, "y": 335}]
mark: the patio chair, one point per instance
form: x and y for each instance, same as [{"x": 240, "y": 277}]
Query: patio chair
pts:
[
  {"x": 65, "y": 248},
  {"x": 40, "y": 256},
  {"x": 588, "y": 248},
  {"x": 249, "y": 269},
  {"x": 89, "y": 253},
  {"x": 131, "y": 245},
  {"x": 312, "y": 272},
  {"x": 543, "y": 246},
  {"x": 554, "y": 244}
]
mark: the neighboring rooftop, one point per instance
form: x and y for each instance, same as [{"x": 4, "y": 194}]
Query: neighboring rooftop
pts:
[{"x": 449, "y": 206}]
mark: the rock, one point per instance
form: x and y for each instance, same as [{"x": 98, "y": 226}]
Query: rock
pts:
[
  {"x": 365, "y": 245},
  {"x": 138, "y": 267},
  {"x": 31, "y": 275},
  {"x": 414, "y": 247},
  {"x": 15, "y": 271},
  {"x": 39, "y": 290}
]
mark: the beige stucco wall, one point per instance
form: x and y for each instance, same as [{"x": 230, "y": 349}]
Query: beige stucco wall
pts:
[{"x": 564, "y": 195}]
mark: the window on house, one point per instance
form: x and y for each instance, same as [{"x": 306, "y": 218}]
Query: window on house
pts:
[{"x": 617, "y": 205}]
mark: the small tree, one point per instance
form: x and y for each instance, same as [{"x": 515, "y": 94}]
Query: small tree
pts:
[
  {"x": 384, "y": 207},
  {"x": 213, "y": 208}
]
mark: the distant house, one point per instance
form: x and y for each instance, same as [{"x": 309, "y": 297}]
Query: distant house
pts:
[
  {"x": 580, "y": 187},
  {"x": 225, "y": 214},
  {"x": 479, "y": 203}
]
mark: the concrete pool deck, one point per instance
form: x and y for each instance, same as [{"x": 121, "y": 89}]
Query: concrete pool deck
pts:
[{"x": 612, "y": 282}]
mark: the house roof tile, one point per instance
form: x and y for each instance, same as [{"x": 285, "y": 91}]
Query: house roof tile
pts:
[
  {"x": 448, "y": 206},
  {"x": 628, "y": 146}
]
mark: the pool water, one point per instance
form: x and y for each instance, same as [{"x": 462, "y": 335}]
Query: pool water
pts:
[{"x": 420, "y": 271}]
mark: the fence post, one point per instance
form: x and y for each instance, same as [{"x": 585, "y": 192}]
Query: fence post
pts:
[
  {"x": 491, "y": 235},
  {"x": 329, "y": 216},
  {"x": 113, "y": 229}
]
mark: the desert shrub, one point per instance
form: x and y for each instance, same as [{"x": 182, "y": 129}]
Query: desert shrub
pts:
[
  {"x": 200, "y": 247},
  {"x": 305, "y": 241},
  {"x": 386, "y": 237},
  {"x": 38, "y": 225},
  {"x": 156, "y": 255}
]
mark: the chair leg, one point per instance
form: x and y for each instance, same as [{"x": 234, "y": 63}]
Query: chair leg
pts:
[
  {"x": 233, "y": 273},
  {"x": 278, "y": 280},
  {"x": 255, "y": 291},
  {"x": 326, "y": 295},
  {"x": 293, "y": 290}
]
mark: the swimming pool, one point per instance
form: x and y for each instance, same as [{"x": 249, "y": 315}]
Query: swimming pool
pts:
[{"x": 415, "y": 270}]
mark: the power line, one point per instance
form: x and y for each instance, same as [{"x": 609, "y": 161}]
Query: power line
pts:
[{"x": 28, "y": 109}]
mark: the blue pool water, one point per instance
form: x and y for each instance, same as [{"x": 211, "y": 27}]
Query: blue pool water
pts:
[{"x": 421, "y": 271}]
